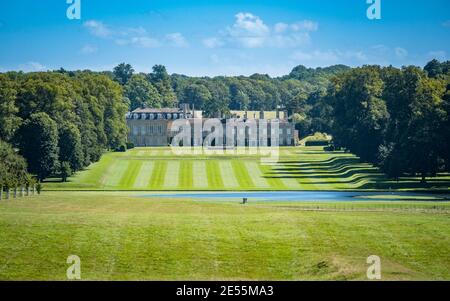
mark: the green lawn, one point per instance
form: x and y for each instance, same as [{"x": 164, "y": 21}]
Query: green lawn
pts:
[
  {"x": 119, "y": 235},
  {"x": 299, "y": 168}
]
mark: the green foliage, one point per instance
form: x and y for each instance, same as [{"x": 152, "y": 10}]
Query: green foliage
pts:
[
  {"x": 87, "y": 108},
  {"x": 196, "y": 95},
  {"x": 123, "y": 73},
  {"x": 13, "y": 167},
  {"x": 9, "y": 121},
  {"x": 38, "y": 141},
  {"x": 66, "y": 171},
  {"x": 162, "y": 81},
  {"x": 141, "y": 93},
  {"x": 70, "y": 148}
]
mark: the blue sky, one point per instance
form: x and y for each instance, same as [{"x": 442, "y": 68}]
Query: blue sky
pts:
[{"x": 219, "y": 37}]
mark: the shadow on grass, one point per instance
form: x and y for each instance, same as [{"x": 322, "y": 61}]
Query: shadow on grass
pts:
[{"x": 349, "y": 170}]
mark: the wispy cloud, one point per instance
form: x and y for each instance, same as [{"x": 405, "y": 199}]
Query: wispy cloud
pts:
[
  {"x": 32, "y": 67},
  {"x": 213, "y": 42},
  {"x": 446, "y": 23},
  {"x": 97, "y": 28},
  {"x": 400, "y": 52},
  {"x": 176, "y": 39},
  {"x": 250, "y": 31},
  {"x": 88, "y": 49},
  {"x": 134, "y": 36}
]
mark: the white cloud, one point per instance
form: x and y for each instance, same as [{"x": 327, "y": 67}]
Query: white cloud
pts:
[
  {"x": 143, "y": 42},
  {"x": 213, "y": 42},
  {"x": 250, "y": 31},
  {"x": 97, "y": 28},
  {"x": 177, "y": 40},
  {"x": 88, "y": 49},
  {"x": 281, "y": 27},
  {"x": 32, "y": 67},
  {"x": 401, "y": 53},
  {"x": 306, "y": 25}
]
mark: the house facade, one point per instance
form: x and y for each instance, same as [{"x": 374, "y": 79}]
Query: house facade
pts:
[{"x": 153, "y": 127}]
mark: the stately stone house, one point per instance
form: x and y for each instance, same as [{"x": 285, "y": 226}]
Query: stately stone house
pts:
[{"x": 152, "y": 127}]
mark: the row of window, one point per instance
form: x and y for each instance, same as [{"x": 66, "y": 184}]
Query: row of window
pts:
[
  {"x": 158, "y": 129},
  {"x": 154, "y": 129},
  {"x": 153, "y": 116}
]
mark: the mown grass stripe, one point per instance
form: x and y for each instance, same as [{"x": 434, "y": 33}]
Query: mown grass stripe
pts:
[
  {"x": 171, "y": 178},
  {"x": 116, "y": 172},
  {"x": 244, "y": 179},
  {"x": 257, "y": 176},
  {"x": 129, "y": 177},
  {"x": 271, "y": 178},
  {"x": 227, "y": 174},
  {"x": 159, "y": 172},
  {"x": 214, "y": 176},
  {"x": 185, "y": 176},
  {"x": 145, "y": 174},
  {"x": 200, "y": 178}
]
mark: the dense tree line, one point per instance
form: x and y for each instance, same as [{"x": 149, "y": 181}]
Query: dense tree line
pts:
[
  {"x": 60, "y": 122},
  {"x": 397, "y": 119},
  {"x": 217, "y": 96}
]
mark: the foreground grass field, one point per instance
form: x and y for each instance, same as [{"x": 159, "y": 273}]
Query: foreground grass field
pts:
[
  {"x": 299, "y": 168},
  {"x": 125, "y": 236}
]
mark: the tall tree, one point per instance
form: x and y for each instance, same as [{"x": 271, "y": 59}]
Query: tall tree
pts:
[
  {"x": 123, "y": 73},
  {"x": 162, "y": 81},
  {"x": 196, "y": 95},
  {"x": 141, "y": 93},
  {"x": 70, "y": 148},
  {"x": 9, "y": 121},
  {"x": 38, "y": 141}
]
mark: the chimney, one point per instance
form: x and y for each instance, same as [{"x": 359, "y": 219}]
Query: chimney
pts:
[
  {"x": 246, "y": 115},
  {"x": 261, "y": 115},
  {"x": 278, "y": 113}
]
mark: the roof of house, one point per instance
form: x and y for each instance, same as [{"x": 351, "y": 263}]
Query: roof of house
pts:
[
  {"x": 157, "y": 111},
  {"x": 255, "y": 114}
]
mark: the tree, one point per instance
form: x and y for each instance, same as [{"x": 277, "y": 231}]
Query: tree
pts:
[
  {"x": 123, "y": 73},
  {"x": 141, "y": 93},
  {"x": 161, "y": 80},
  {"x": 196, "y": 95},
  {"x": 66, "y": 171},
  {"x": 359, "y": 112},
  {"x": 13, "y": 167},
  {"x": 38, "y": 141},
  {"x": 9, "y": 122},
  {"x": 433, "y": 68},
  {"x": 70, "y": 148}
]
